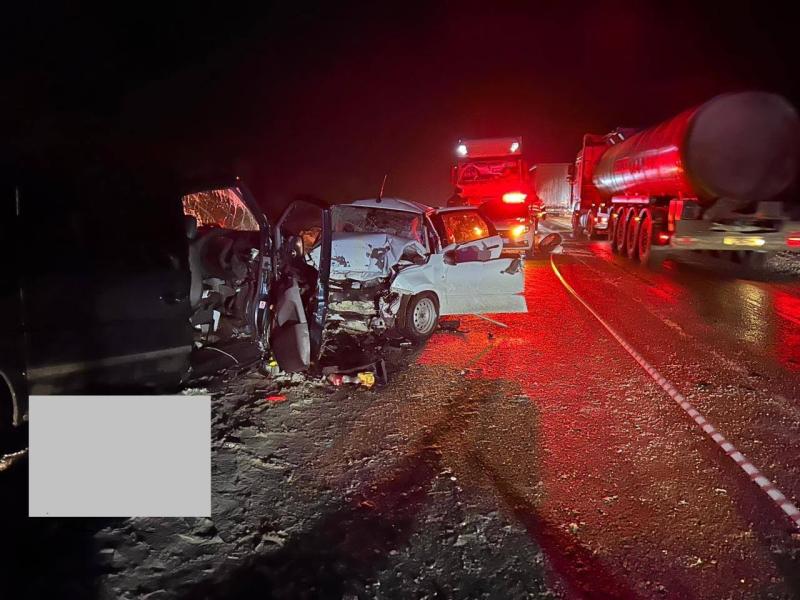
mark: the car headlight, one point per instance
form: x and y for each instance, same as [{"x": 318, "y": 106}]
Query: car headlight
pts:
[{"x": 518, "y": 230}]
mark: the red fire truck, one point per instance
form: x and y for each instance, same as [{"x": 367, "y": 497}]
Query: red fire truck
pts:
[
  {"x": 718, "y": 177},
  {"x": 492, "y": 173}
]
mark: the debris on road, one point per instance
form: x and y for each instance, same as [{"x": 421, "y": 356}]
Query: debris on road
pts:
[
  {"x": 449, "y": 324},
  {"x": 365, "y": 378}
]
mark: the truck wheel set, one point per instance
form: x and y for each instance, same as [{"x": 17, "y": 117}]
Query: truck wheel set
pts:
[{"x": 632, "y": 233}]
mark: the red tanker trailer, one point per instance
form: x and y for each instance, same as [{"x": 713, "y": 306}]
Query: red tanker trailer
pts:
[{"x": 717, "y": 177}]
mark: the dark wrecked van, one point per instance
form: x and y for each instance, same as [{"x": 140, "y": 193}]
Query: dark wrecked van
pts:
[{"x": 118, "y": 280}]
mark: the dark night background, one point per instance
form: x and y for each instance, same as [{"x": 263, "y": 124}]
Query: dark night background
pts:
[{"x": 326, "y": 99}]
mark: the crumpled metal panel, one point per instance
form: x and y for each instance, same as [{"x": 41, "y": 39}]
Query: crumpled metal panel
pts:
[{"x": 365, "y": 256}]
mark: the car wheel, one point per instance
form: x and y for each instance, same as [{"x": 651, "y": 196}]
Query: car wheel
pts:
[{"x": 421, "y": 317}]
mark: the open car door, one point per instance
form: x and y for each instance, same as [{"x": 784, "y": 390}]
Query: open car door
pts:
[
  {"x": 230, "y": 259},
  {"x": 477, "y": 280},
  {"x": 300, "y": 288}
]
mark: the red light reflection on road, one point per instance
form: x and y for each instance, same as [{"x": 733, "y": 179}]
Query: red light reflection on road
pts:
[{"x": 787, "y": 307}]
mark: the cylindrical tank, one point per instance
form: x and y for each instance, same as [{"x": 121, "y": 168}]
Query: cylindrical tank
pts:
[{"x": 741, "y": 146}]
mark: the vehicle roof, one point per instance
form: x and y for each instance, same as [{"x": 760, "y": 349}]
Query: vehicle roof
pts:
[
  {"x": 393, "y": 204},
  {"x": 445, "y": 209}
]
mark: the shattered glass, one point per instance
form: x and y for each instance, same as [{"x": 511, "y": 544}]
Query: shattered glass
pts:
[
  {"x": 222, "y": 208},
  {"x": 464, "y": 226},
  {"x": 357, "y": 219}
]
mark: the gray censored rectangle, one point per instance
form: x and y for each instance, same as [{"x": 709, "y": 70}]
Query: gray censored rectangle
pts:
[{"x": 120, "y": 456}]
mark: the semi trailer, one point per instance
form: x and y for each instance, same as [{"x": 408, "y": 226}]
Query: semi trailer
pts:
[
  {"x": 719, "y": 177},
  {"x": 551, "y": 184}
]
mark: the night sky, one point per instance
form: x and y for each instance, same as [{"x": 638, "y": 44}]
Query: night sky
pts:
[{"x": 326, "y": 100}]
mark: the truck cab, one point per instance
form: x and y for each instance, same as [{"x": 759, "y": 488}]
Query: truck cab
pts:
[
  {"x": 591, "y": 214},
  {"x": 492, "y": 173}
]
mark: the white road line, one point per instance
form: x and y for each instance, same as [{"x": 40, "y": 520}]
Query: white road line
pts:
[
  {"x": 740, "y": 459},
  {"x": 485, "y": 318}
]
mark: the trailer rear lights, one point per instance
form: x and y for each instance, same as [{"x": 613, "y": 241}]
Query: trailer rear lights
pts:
[
  {"x": 793, "y": 239},
  {"x": 663, "y": 238},
  {"x": 514, "y": 197},
  {"x": 461, "y": 150},
  {"x": 518, "y": 230}
]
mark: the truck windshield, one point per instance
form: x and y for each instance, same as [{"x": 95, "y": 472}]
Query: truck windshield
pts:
[
  {"x": 360, "y": 219},
  {"x": 488, "y": 170}
]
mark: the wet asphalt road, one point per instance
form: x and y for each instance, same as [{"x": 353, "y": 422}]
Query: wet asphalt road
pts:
[{"x": 625, "y": 494}]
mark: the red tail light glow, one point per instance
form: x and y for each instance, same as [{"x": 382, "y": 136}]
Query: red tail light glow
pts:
[
  {"x": 514, "y": 197},
  {"x": 663, "y": 238},
  {"x": 793, "y": 239}
]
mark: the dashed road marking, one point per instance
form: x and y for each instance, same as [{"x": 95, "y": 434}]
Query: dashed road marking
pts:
[{"x": 727, "y": 447}]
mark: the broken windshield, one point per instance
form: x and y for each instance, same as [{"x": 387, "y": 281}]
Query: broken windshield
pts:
[
  {"x": 360, "y": 219},
  {"x": 220, "y": 208}
]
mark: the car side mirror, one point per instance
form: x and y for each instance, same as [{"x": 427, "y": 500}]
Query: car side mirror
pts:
[{"x": 449, "y": 257}]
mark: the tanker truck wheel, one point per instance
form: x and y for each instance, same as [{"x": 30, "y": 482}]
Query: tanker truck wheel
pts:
[
  {"x": 590, "y": 232},
  {"x": 645, "y": 237},
  {"x": 576, "y": 226},
  {"x": 631, "y": 235},
  {"x": 617, "y": 235}
]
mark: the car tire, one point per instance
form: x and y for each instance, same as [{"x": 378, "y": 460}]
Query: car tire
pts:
[{"x": 421, "y": 317}]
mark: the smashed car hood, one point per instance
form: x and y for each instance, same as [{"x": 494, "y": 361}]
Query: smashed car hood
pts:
[{"x": 364, "y": 256}]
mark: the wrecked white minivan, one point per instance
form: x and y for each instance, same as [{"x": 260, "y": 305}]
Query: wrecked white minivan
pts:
[{"x": 396, "y": 266}]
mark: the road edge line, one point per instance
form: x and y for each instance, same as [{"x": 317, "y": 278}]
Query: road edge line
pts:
[{"x": 753, "y": 472}]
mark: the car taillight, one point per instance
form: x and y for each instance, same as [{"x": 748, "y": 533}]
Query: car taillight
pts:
[
  {"x": 514, "y": 197},
  {"x": 663, "y": 237},
  {"x": 793, "y": 239}
]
